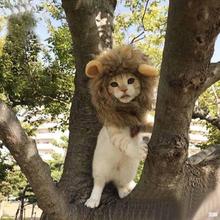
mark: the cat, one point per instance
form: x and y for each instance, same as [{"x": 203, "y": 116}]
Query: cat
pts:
[
  {"x": 117, "y": 154},
  {"x": 122, "y": 89}
]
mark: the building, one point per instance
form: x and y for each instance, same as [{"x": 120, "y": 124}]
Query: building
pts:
[{"x": 47, "y": 138}]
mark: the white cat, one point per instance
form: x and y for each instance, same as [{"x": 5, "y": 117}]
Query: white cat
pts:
[{"x": 117, "y": 154}]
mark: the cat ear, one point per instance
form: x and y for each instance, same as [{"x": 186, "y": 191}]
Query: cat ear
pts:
[
  {"x": 93, "y": 68},
  {"x": 147, "y": 70}
]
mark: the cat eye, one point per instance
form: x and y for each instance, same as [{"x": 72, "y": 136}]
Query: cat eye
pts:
[
  {"x": 131, "y": 80},
  {"x": 114, "y": 84}
]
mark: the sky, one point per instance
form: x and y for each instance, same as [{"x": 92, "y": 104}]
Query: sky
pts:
[
  {"x": 43, "y": 33},
  {"x": 216, "y": 55}
]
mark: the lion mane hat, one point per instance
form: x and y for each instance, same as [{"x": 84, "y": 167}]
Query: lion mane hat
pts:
[{"x": 112, "y": 62}]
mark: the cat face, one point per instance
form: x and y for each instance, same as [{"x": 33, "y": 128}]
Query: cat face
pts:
[{"x": 124, "y": 87}]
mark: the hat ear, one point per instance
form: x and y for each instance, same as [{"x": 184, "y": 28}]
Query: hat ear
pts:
[
  {"x": 94, "y": 68},
  {"x": 147, "y": 70}
]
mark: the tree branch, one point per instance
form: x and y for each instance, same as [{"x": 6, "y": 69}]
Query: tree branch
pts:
[
  {"x": 208, "y": 154},
  {"x": 25, "y": 152},
  {"x": 184, "y": 70},
  {"x": 203, "y": 116},
  {"x": 137, "y": 38},
  {"x": 214, "y": 72}
]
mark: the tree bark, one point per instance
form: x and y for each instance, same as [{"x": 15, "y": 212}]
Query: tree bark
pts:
[
  {"x": 191, "y": 33},
  {"x": 211, "y": 153},
  {"x": 214, "y": 76},
  {"x": 201, "y": 115},
  {"x": 24, "y": 150},
  {"x": 91, "y": 25}
]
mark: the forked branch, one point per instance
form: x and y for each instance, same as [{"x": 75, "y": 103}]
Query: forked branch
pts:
[
  {"x": 203, "y": 116},
  {"x": 214, "y": 76},
  {"x": 25, "y": 152},
  {"x": 211, "y": 153}
]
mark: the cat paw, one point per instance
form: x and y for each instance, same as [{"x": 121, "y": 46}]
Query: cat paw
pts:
[
  {"x": 142, "y": 151},
  {"x": 124, "y": 191},
  {"x": 138, "y": 151},
  {"x": 92, "y": 203}
]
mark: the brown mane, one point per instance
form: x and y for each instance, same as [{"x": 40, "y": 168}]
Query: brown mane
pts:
[{"x": 124, "y": 59}]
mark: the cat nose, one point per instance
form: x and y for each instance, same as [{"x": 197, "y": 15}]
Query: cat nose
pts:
[{"x": 124, "y": 90}]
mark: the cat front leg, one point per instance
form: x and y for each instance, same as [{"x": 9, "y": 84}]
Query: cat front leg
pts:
[
  {"x": 95, "y": 196},
  {"x": 132, "y": 147}
]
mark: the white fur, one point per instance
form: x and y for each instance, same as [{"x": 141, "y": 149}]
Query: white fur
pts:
[
  {"x": 116, "y": 158},
  {"x": 117, "y": 154}
]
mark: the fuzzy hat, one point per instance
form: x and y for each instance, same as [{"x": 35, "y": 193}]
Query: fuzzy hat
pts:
[{"x": 112, "y": 62}]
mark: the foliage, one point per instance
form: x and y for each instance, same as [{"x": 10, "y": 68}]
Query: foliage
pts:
[
  {"x": 15, "y": 186},
  {"x": 151, "y": 23},
  {"x": 2, "y": 38},
  {"x": 55, "y": 9},
  {"x": 30, "y": 76},
  {"x": 214, "y": 135},
  {"x": 56, "y": 166},
  {"x": 57, "y": 161},
  {"x": 127, "y": 25},
  {"x": 60, "y": 43},
  {"x": 208, "y": 102},
  {"x": 5, "y": 168},
  {"x": 63, "y": 142},
  {"x": 12, "y": 180},
  {"x": 18, "y": 64}
]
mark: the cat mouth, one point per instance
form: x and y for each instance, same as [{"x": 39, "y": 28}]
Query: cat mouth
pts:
[{"x": 125, "y": 96}]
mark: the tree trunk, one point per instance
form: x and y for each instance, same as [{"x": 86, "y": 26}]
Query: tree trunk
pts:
[
  {"x": 91, "y": 25},
  {"x": 170, "y": 187}
]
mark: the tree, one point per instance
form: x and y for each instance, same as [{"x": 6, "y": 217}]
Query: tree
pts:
[
  {"x": 26, "y": 81},
  {"x": 14, "y": 181},
  {"x": 56, "y": 166},
  {"x": 170, "y": 187},
  {"x": 5, "y": 167},
  {"x": 2, "y": 21},
  {"x": 146, "y": 31}
]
